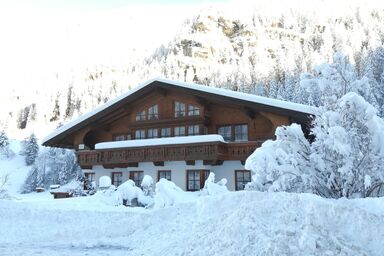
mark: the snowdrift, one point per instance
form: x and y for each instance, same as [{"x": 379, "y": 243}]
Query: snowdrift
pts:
[{"x": 238, "y": 223}]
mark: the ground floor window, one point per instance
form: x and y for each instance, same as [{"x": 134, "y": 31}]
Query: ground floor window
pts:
[
  {"x": 117, "y": 178},
  {"x": 196, "y": 179},
  {"x": 242, "y": 177},
  {"x": 137, "y": 177},
  {"x": 89, "y": 180},
  {"x": 164, "y": 175}
]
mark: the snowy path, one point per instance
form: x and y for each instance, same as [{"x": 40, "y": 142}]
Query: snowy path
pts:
[{"x": 241, "y": 223}]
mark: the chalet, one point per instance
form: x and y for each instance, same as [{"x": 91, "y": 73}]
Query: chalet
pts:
[{"x": 176, "y": 131}]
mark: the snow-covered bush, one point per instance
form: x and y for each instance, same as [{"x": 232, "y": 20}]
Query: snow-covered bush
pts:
[
  {"x": 167, "y": 193},
  {"x": 30, "y": 149},
  {"x": 283, "y": 164},
  {"x": 126, "y": 194},
  {"x": 147, "y": 185},
  {"x": 212, "y": 188},
  {"x": 105, "y": 182}
]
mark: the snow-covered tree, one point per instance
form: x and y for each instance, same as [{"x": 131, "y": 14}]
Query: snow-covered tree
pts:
[
  {"x": 349, "y": 147},
  {"x": 30, "y": 149},
  {"x": 5, "y": 150},
  {"x": 345, "y": 160},
  {"x": 284, "y": 164}
]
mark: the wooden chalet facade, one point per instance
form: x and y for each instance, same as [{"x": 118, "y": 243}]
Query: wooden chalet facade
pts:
[{"x": 148, "y": 131}]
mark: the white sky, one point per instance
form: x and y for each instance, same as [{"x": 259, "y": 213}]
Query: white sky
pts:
[{"x": 35, "y": 40}]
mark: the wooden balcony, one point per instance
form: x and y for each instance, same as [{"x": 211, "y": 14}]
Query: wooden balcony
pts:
[{"x": 212, "y": 152}]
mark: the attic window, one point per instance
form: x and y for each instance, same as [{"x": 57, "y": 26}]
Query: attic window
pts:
[
  {"x": 140, "y": 116},
  {"x": 193, "y": 110},
  {"x": 153, "y": 112},
  {"x": 179, "y": 109}
]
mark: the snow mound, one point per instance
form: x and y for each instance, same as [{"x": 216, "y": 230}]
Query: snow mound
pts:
[
  {"x": 105, "y": 182},
  {"x": 212, "y": 188},
  {"x": 168, "y": 194}
]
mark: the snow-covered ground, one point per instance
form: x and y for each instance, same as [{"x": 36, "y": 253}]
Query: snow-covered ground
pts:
[
  {"x": 199, "y": 223},
  {"x": 236, "y": 223}
]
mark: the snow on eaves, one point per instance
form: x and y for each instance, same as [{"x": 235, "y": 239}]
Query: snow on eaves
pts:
[
  {"x": 213, "y": 90},
  {"x": 160, "y": 141}
]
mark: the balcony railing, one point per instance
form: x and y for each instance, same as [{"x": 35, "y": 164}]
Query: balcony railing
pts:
[{"x": 213, "y": 151}]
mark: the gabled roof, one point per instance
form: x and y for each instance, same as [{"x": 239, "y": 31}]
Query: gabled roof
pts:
[{"x": 262, "y": 103}]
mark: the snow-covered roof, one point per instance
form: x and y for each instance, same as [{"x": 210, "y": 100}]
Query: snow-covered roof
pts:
[
  {"x": 160, "y": 141},
  {"x": 191, "y": 86}
]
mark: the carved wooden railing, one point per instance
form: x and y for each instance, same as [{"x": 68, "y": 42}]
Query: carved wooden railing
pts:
[{"x": 202, "y": 151}]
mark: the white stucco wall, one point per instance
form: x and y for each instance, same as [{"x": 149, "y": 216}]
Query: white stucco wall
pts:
[{"x": 178, "y": 171}]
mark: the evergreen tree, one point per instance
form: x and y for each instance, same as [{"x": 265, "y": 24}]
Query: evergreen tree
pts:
[{"x": 30, "y": 149}]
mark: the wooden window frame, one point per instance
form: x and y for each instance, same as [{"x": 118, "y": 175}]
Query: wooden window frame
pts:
[
  {"x": 152, "y": 129},
  {"x": 141, "y": 116},
  {"x": 113, "y": 178},
  {"x": 243, "y": 182},
  {"x": 155, "y": 114},
  {"x": 92, "y": 173},
  {"x": 193, "y": 110},
  {"x": 225, "y": 137},
  {"x": 177, "y": 111},
  {"x": 167, "y": 171},
  {"x": 141, "y": 138},
  {"x": 198, "y": 129},
  {"x": 161, "y": 132},
  {"x": 203, "y": 175},
  {"x": 131, "y": 174},
  {"x": 233, "y": 132},
  {"x": 174, "y": 131}
]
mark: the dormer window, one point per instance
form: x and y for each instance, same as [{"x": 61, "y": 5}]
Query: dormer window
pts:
[
  {"x": 179, "y": 109},
  {"x": 193, "y": 110},
  {"x": 153, "y": 112},
  {"x": 140, "y": 116}
]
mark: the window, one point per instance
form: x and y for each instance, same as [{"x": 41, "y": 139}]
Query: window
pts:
[
  {"x": 153, "y": 112},
  {"x": 179, "y": 131},
  {"x": 193, "y": 130},
  {"x": 117, "y": 178},
  {"x": 234, "y": 132},
  {"x": 152, "y": 133},
  {"x": 137, "y": 177},
  {"x": 241, "y": 132},
  {"x": 164, "y": 175},
  {"x": 179, "y": 109},
  {"x": 119, "y": 137},
  {"x": 193, "y": 110},
  {"x": 226, "y": 132},
  {"x": 140, "y": 134},
  {"x": 165, "y": 132},
  {"x": 89, "y": 181},
  {"x": 140, "y": 116},
  {"x": 90, "y": 176},
  {"x": 196, "y": 179},
  {"x": 242, "y": 177}
]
